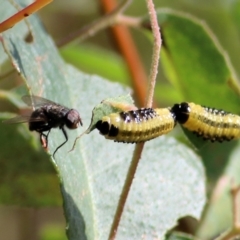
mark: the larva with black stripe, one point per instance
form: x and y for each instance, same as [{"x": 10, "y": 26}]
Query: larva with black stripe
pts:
[
  {"x": 209, "y": 123},
  {"x": 137, "y": 126}
]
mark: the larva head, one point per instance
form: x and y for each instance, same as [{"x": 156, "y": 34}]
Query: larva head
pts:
[
  {"x": 181, "y": 112},
  {"x": 107, "y": 129}
]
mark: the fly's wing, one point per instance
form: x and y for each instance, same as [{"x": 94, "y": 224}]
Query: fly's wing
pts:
[
  {"x": 17, "y": 119},
  {"x": 23, "y": 119},
  {"x": 36, "y": 101}
]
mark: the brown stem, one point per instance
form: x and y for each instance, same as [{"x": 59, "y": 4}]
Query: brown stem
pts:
[{"x": 34, "y": 7}]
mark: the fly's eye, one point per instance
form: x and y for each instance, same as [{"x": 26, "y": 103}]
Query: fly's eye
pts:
[{"x": 73, "y": 119}]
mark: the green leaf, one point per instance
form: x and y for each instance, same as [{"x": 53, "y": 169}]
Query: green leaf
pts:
[
  {"x": 25, "y": 179},
  {"x": 219, "y": 209},
  {"x": 180, "y": 236},
  {"x": 89, "y": 58},
  {"x": 195, "y": 62},
  {"x": 169, "y": 182},
  {"x": 216, "y": 156}
]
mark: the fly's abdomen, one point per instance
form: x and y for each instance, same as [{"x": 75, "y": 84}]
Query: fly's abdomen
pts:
[
  {"x": 38, "y": 121},
  {"x": 209, "y": 123},
  {"x": 136, "y": 126}
]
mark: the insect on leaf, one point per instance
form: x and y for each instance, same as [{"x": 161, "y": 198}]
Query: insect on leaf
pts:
[{"x": 108, "y": 106}]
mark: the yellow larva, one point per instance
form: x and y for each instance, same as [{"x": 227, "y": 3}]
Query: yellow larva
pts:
[
  {"x": 137, "y": 126},
  {"x": 208, "y": 123}
]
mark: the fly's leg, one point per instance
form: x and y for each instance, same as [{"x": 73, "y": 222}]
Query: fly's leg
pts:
[
  {"x": 44, "y": 139},
  {"x": 66, "y": 139}
]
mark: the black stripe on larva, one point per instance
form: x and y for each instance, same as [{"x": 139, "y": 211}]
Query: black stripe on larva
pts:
[
  {"x": 113, "y": 132},
  {"x": 216, "y": 111},
  {"x": 125, "y": 116},
  {"x": 181, "y": 112},
  {"x": 218, "y": 124},
  {"x": 103, "y": 127},
  {"x": 138, "y": 116},
  {"x": 106, "y": 129},
  {"x": 215, "y": 138}
]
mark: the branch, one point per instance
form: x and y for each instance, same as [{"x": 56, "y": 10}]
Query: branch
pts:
[{"x": 32, "y": 8}]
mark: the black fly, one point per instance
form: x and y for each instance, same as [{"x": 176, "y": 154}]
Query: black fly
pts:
[{"x": 47, "y": 115}]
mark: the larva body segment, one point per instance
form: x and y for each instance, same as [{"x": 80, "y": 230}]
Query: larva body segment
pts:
[
  {"x": 208, "y": 123},
  {"x": 136, "y": 126}
]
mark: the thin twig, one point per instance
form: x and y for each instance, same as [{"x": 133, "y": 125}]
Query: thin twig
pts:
[
  {"x": 156, "y": 52},
  {"x": 127, "y": 185},
  {"x": 129, "y": 21},
  {"x": 94, "y": 27}
]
